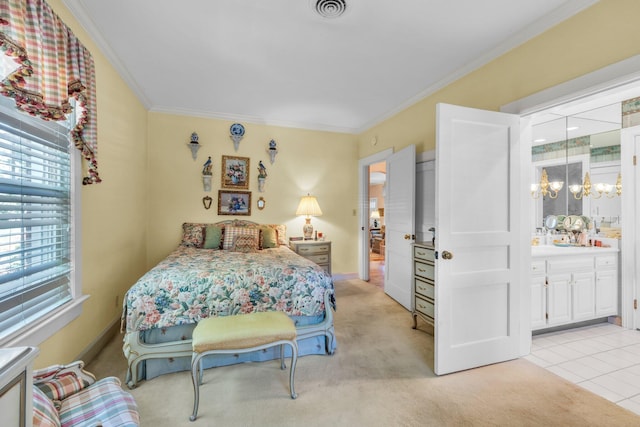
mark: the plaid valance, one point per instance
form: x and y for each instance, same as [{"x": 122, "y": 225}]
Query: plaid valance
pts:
[{"x": 52, "y": 66}]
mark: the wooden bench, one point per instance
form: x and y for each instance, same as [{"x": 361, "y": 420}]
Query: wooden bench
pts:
[{"x": 241, "y": 334}]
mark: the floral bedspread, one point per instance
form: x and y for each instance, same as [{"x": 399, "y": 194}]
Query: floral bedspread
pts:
[{"x": 191, "y": 284}]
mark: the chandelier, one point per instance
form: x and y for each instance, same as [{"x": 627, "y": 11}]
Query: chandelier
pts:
[
  {"x": 598, "y": 190},
  {"x": 546, "y": 188}
]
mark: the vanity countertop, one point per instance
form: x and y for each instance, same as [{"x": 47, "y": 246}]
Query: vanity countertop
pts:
[{"x": 549, "y": 250}]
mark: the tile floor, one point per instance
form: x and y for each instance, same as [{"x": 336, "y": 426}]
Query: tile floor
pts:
[{"x": 603, "y": 358}]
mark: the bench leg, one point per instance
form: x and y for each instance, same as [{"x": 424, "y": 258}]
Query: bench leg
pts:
[
  {"x": 292, "y": 372},
  {"x": 196, "y": 378},
  {"x": 197, "y": 369}
]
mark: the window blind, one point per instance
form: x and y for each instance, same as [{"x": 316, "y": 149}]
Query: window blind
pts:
[{"x": 35, "y": 219}]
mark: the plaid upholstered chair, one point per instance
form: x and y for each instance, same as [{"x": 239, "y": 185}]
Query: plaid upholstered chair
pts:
[{"x": 67, "y": 395}]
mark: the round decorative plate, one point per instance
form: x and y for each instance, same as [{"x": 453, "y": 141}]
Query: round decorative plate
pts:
[{"x": 237, "y": 129}]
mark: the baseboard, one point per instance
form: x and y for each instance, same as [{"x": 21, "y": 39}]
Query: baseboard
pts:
[
  {"x": 344, "y": 276},
  {"x": 94, "y": 348}
]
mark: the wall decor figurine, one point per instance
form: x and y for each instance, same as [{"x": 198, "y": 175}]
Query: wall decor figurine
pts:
[
  {"x": 262, "y": 176},
  {"x": 206, "y": 168},
  {"x": 273, "y": 150},
  {"x": 207, "y": 174},
  {"x": 206, "y": 201},
  {"x": 234, "y": 202},
  {"x": 237, "y": 133},
  {"x": 194, "y": 145},
  {"x": 235, "y": 172}
]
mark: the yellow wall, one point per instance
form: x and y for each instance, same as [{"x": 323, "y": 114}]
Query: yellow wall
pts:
[
  {"x": 599, "y": 36},
  {"x": 114, "y": 216},
  {"x": 320, "y": 163},
  {"x": 151, "y": 184}
]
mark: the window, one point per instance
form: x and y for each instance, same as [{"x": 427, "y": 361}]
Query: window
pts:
[{"x": 39, "y": 292}]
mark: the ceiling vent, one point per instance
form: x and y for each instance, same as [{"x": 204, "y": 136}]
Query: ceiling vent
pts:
[{"x": 329, "y": 8}]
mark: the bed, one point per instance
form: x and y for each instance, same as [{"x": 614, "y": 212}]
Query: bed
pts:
[{"x": 223, "y": 269}]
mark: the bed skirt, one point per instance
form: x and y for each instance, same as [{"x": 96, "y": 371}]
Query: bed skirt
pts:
[{"x": 156, "y": 352}]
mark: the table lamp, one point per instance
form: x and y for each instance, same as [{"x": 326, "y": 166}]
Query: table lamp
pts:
[{"x": 309, "y": 207}]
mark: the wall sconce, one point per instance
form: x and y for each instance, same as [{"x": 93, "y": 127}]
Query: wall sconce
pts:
[
  {"x": 545, "y": 187},
  {"x": 584, "y": 190},
  {"x": 308, "y": 206},
  {"x": 194, "y": 145},
  {"x": 237, "y": 133},
  {"x": 272, "y": 150}
]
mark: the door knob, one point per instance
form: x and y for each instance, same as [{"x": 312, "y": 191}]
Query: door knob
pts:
[
  {"x": 409, "y": 236},
  {"x": 447, "y": 255}
]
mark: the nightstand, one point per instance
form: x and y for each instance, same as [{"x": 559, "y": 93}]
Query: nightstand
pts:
[{"x": 314, "y": 250}]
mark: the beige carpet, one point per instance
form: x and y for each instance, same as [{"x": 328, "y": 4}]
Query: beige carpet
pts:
[{"x": 381, "y": 375}]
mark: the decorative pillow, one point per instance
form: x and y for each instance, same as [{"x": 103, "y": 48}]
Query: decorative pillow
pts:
[
  {"x": 212, "y": 237},
  {"x": 44, "y": 413},
  {"x": 268, "y": 237},
  {"x": 61, "y": 387},
  {"x": 193, "y": 234},
  {"x": 245, "y": 243},
  {"x": 281, "y": 230},
  {"x": 231, "y": 232}
]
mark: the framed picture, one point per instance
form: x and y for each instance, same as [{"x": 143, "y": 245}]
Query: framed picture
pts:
[
  {"x": 235, "y": 172},
  {"x": 234, "y": 202}
]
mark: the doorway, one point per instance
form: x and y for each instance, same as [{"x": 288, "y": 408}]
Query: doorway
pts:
[
  {"x": 376, "y": 227},
  {"x": 615, "y": 83}
]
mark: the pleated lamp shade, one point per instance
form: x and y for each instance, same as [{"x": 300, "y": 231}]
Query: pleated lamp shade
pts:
[{"x": 309, "y": 207}]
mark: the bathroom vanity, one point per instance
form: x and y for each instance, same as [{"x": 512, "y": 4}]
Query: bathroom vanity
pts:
[{"x": 573, "y": 284}]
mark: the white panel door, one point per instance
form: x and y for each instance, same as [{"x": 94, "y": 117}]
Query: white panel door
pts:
[
  {"x": 630, "y": 244},
  {"x": 399, "y": 215},
  {"x": 482, "y": 267}
]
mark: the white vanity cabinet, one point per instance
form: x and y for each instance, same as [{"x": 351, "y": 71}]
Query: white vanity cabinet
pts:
[
  {"x": 571, "y": 286},
  {"x": 606, "y": 285},
  {"x": 16, "y": 381},
  {"x": 538, "y": 294}
]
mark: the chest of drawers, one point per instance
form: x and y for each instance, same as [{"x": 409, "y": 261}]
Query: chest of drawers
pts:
[{"x": 423, "y": 283}]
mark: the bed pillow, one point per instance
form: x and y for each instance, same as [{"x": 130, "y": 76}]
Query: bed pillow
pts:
[
  {"x": 245, "y": 243},
  {"x": 212, "y": 237},
  {"x": 268, "y": 237},
  {"x": 61, "y": 387},
  {"x": 193, "y": 234},
  {"x": 231, "y": 232}
]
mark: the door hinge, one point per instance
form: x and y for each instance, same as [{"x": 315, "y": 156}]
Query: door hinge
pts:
[
  {"x": 634, "y": 160},
  {"x": 546, "y": 316},
  {"x": 635, "y": 304}
]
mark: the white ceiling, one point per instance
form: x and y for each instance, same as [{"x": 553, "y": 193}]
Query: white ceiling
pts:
[{"x": 277, "y": 62}]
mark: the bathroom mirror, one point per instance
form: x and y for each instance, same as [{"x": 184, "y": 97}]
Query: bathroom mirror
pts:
[{"x": 567, "y": 146}]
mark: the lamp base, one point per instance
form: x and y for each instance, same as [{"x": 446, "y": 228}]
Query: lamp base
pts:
[{"x": 307, "y": 229}]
